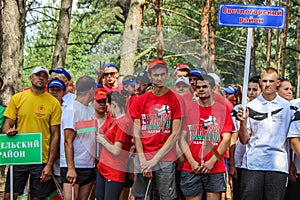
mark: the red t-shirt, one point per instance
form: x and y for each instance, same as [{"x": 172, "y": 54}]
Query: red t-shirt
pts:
[
  {"x": 118, "y": 88},
  {"x": 114, "y": 167},
  {"x": 156, "y": 114},
  {"x": 204, "y": 126}
]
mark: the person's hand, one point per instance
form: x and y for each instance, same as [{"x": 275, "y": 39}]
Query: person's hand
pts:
[
  {"x": 196, "y": 167},
  {"x": 207, "y": 166},
  {"x": 232, "y": 170},
  {"x": 146, "y": 166},
  {"x": 148, "y": 174},
  {"x": 71, "y": 175},
  {"x": 46, "y": 173},
  {"x": 293, "y": 172},
  {"x": 100, "y": 138},
  {"x": 240, "y": 115},
  {"x": 11, "y": 132}
]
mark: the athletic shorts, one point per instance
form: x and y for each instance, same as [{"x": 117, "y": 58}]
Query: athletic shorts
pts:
[
  {"x": 84, "y": 175},
  {"x": 194, "y": 184},
  {"x": 20, "y": 177},
  {"x": 164, "y": 174}
]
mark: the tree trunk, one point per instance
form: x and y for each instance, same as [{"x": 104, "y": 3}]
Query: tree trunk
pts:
[
  {"x": 130, "y": 37},
  {"x": 62, "y": 36},
  {"x": 212, "y": 31},
  {"x": 205, "y": 34},
  {"x": 269, "y": 41},
  {"x": 285, "y": 38},
  {"x": 13, "y": 27},
  {"x": 159, "y": 28},
  {"x": 298, "y": 54},
  {"x": 269, "y": 45}
]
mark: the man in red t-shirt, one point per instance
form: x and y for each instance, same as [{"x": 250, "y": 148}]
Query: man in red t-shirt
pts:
[
  {"x": 205, "y": 137},
  {"x": 157, "y": 118}
]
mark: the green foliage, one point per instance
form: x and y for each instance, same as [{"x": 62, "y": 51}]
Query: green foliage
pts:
[{"x": 96, "y": 38}]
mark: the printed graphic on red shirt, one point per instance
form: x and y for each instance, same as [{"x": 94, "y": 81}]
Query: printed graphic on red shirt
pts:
[
  {"x": 158, "y": 120},
  {"x": 206, "y": 134}
]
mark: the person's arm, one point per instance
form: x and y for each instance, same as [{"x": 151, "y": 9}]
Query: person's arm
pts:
[
  {"x": 231, "y": 163},
  {"x": 53, "y": 152},
  {"x": 114, "y": 149},
  {"x": 295, "y": 145},
  {"x": 8, "y": 127},
  {"x": 188, "y": 154},
  {"x": 243, "y": 130},
  {"x": 165, "y": 149},
  {"x": 70, "y": 135},
  {"x": 208, "y": 165}
]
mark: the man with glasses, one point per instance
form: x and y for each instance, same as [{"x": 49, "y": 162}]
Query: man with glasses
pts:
[
  {"x": 110, "y": 78},
  {"x": 204, "y": 139},
  {"x": 34, "y": 110}
]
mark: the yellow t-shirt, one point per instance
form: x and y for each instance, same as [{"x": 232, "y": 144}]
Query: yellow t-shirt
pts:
[{"x": 35, "y": 113}]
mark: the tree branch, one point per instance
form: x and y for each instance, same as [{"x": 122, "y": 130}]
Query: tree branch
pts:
[{"x": 182, "y": 15}]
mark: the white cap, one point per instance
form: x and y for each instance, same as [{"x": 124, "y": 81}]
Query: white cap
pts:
[
  {"x": 39, "y": 69},
  {"x": 216, "y": 78},
  {"x": 183, "y": 80}
]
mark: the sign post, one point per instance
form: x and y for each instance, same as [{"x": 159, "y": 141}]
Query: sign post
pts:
[
  {"x": 20, "y": 149},
  {"x": 251, "y": 16}
]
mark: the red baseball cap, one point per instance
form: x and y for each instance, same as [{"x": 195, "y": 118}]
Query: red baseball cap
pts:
[
  {"x": 156, "y": 62},
  {"x": 181, "y": 66},
  {"x": 100, "y": 94}
]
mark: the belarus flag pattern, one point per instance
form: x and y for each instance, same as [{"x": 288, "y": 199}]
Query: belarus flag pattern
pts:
[{"x": 86, "y": 126}]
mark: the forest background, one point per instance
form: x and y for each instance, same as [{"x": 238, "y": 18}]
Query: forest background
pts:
[{"x": 83, "y": 35}]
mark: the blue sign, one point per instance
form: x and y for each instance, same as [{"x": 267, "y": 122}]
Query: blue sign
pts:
[{"x": 252, "y": 16}]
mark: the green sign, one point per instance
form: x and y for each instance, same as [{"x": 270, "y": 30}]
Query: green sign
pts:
[{"x": 21, "y": 149}]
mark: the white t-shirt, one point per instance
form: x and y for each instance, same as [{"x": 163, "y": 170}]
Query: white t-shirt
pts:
[
  {"x": 268, "y": 124},
  {"x": 84, "y": 144},
  {"x": 294, "y": 130},
  {"x": 239, "y": 147}
]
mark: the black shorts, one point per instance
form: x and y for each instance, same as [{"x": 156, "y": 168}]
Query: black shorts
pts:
[
  {"x": 84, "y": 176},
  {"x": 194, "y": 184},
  {"x": 20, "y": 178}
]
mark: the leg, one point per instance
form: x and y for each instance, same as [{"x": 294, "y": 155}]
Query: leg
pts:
[
  {"x": 100, "y": 187},
  {"x": 38, "y": 189},
  {"x": 215, "y": 186},
  {"x": 292, "y": 192},
  {"x": 197, "y": 197},
  {"x": 20, "y": 177},
  {"x": 85, "y": 190},
  {"x": 213, "y": 195},
  {"x": 275, "y": 185},
  {"x": 252, "y": 184},
  {"x": 165, "y": 180},
  {"x": 67, "y": 189},
  {"x": 112, "y": 190}
]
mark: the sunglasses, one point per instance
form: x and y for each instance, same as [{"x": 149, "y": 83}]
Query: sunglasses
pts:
[
  {"x": 110, "y": 73},
  {"x": 203, "y": 86},
  {"x": 101, "y": 101}
]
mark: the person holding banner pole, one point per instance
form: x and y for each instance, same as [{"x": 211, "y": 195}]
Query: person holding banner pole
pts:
[
  {"x": 205, "y": 138},
  {"x": 77, "y": 144},
  {"x": 32, "y": 111},
  {"x": 157, "y": 123},
  {"x": 115, "y": 145},
  {"x": 264, "y": 130}
]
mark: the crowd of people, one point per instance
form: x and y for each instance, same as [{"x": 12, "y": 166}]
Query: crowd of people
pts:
[{"x": 138, "y": 139}]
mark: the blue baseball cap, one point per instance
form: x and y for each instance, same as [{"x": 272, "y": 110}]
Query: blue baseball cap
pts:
[
  {"x": 196, "y": 72},
  {"x": 57, "y": 83},
  {"x": 230, "y": 90},
  {"x": 130, "y": 81},
  {"x": 110, "y": 65},
  {"x": 61, "y": 70}
]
